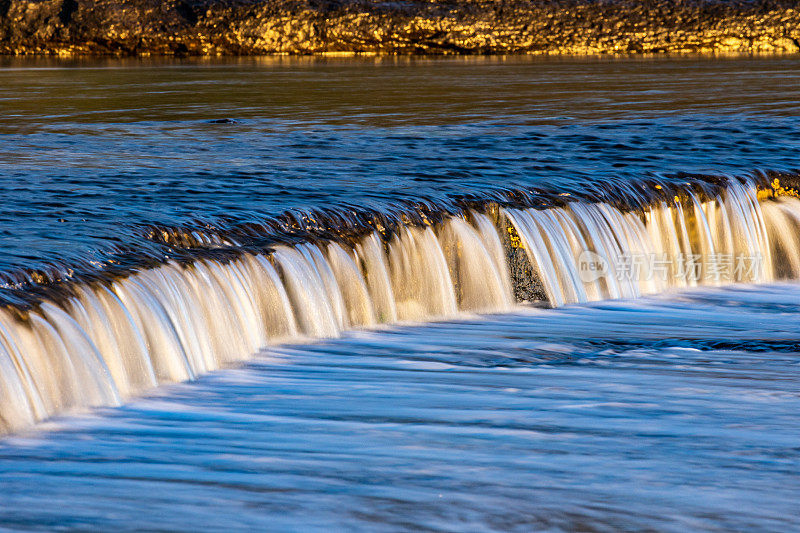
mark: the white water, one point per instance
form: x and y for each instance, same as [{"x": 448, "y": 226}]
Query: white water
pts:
[
  {"x": 175, "y": 322},
  {"x": 731, "y": 239}
]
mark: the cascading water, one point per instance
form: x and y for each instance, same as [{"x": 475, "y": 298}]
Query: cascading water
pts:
[
  {"x": 587, "y": 252},
  {"x": 109, "y": 341}
]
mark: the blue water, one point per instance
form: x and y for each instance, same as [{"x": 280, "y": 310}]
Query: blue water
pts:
[
  {"x": 91, "y": 151},
  {"x": 605, "y": 417},
  {"x": 671, "y": 413}
]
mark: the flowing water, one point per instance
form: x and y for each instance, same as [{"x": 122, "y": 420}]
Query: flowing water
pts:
[{"x": 472, "y": 294}]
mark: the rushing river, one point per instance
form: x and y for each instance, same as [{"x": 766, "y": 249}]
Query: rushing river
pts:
[{"x": 298, "y": 294}]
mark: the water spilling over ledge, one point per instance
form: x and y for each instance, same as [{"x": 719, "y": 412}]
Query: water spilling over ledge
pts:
[{"x": 99, "y": 339}]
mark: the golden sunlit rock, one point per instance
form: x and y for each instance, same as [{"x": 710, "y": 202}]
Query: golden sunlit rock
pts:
[{"x": 186, "y": 27}]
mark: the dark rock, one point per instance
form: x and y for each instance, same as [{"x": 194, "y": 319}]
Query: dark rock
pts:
[{"x": 234, "y": 27}]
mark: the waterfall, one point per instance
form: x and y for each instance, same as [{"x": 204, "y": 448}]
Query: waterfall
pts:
[
  {"x": 586, "y": 252},
  {"x": 108, "y": 341}
]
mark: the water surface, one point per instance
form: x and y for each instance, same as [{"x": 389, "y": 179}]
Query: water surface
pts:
[
  {"x": 604, "y": 417},
  {"x": 672, "y": 412},
  {"x": 90, "y": 151}
]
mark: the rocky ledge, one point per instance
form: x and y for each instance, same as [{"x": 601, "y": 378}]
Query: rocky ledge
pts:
[{"x": 248, "y": 27}]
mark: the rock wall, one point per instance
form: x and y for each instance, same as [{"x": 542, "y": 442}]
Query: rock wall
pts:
[{"x": 247, "y": 27}]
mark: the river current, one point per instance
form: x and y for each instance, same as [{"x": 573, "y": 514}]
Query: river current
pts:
[
  {"x": 92, "y": 151},
  {"x": 455, "y": 372}
]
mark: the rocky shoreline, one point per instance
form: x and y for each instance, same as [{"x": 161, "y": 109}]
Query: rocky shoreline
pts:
[{"x": 255, "y": 27}]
